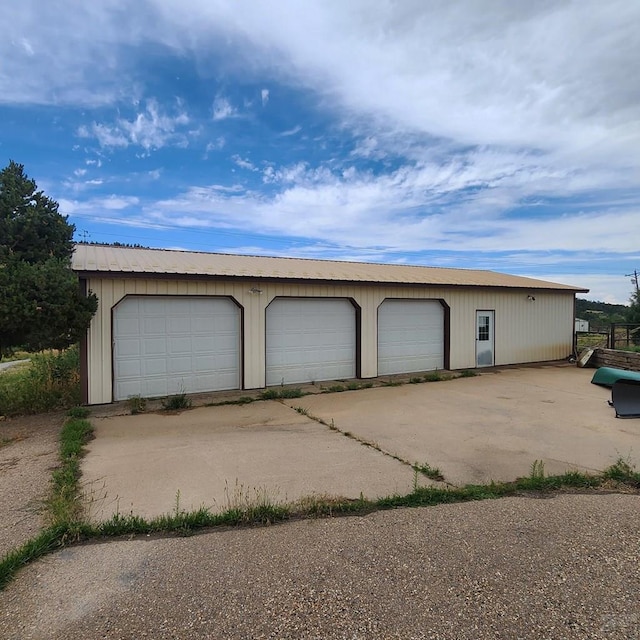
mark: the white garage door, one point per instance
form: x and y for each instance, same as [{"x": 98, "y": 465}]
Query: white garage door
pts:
[
  {"x": 310, "y": 339},
  {"x": 410, "y": 336},
  {"x": 164, "y": 344}
]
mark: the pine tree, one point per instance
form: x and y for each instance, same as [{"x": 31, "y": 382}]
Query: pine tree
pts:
[{"x": 41, "y": 305}]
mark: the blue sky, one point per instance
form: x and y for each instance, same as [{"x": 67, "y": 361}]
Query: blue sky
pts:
[{"x": 475, "y": 134}]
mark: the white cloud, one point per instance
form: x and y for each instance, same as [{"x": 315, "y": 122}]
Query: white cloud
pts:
[
  {"x": 291, "y": 132},
  {"x": 223, "y": 109},
  {"x": 215, "y": 145},
  {"x": 27, "y": 46},
  {"x": 549, "y": 75},
  {"x": 604, "y": 288},
  {"x": 474, "y": 107},
  {"x": 95, "y": 207},
  {"x": 408, "y": 210},
  {"x": 243, "y": 163},
  {"x": 150, "y": 129}
]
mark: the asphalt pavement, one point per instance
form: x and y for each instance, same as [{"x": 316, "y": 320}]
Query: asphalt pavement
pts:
[{"x": 562, "y": 567}]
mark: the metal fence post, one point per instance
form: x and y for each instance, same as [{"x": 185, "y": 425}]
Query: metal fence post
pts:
[{"x": 613, "y": 336}]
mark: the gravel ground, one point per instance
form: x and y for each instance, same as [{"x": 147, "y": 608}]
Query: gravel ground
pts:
[
  {"x": 28, "y": 452},
  {"x": 561, "y": 567}
]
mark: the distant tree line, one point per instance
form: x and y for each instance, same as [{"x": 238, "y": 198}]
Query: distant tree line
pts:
[
  {"x": 114, "y": 244},
  {"x": 601, "y": 315}
]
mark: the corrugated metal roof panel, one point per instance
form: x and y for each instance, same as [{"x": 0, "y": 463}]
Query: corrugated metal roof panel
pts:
[{"x": 126, "y": 260}]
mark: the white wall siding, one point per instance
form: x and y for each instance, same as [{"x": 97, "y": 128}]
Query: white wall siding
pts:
[{"x": 525, "y": 330}]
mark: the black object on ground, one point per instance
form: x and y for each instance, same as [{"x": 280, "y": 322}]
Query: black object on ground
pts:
[{"x": 625, "y": 397}]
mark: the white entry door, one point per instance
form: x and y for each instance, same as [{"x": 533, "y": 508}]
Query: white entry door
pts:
[{"x": 484, "y": 338}]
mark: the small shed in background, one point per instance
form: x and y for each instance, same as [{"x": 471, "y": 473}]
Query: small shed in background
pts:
[{"x": 582, "y": 325}]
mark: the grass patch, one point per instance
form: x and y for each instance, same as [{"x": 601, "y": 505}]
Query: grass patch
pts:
[
  {"x": 177, "y": 402},
  {"x": 79, "y": 412},
  {"x": 137, "y": 404},
  {"x": 428, "y": 471},
  {"x": 51, "y": 381},
  {"x": 467, "y": 373},
  {"x": 280, "y": 394},
  {"x": 622, "y": 471},
  {"x": 16, "y": 354},
  {"x": 434, "y": 376},
  {"x": 64, "y": 505}
]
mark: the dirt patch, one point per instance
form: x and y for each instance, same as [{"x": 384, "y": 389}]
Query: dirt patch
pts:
[{"x": 28, "y": 452}]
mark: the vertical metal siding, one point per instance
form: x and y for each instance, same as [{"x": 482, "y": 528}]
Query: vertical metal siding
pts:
[{"x": 525, "y": 331}]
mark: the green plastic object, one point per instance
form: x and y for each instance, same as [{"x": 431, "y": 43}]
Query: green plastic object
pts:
[{"x": 606, "y": 376}]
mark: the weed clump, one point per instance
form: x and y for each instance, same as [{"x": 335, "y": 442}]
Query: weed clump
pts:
[
  {"x": 277, "y": 394},
  {"x": 78, "y": 412},
  {"x": 177, "y": 402},
  {"x": 137, "y": 404},
  {"x": 433, "y": 473},
  {"x": 51, "y": 381}
]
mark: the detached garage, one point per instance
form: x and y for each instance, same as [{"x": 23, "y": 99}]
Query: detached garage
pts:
[{"x": 172, "y": 321}]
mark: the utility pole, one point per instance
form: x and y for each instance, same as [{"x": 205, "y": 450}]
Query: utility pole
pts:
[{"x": 634, "y": 280}]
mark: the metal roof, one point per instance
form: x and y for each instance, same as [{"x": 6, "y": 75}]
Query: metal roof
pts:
[{"x": 122, "y": 261}]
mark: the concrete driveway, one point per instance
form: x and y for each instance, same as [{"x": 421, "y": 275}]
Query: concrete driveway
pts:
[{"x": 492, "y": 426}]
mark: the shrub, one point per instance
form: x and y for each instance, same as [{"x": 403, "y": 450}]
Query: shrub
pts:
[
  {"x": 78, "y": 412},
  {"x": 51, "y": 381},
  {"x": 176, "y": 402},
  {"x": 137, "y": 404}
]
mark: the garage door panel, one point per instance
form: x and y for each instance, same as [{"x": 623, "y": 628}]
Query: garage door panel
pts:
[
  {"x": 128, "y": 347},
  {"x": 165, "y": 345},
  {"x": 153, "y": 346},
  {"x": 151, "y": 387},
  {"x": 179, "y": 345},
  {"x": 128, "y": 369},
  {"x": 153, "y": 367},
  {"x": 177, "y": 365},
  {"x": 309, "y": 340},
  {"x": 129, "y": 326},
  {"x": 410, "y": 336}
]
